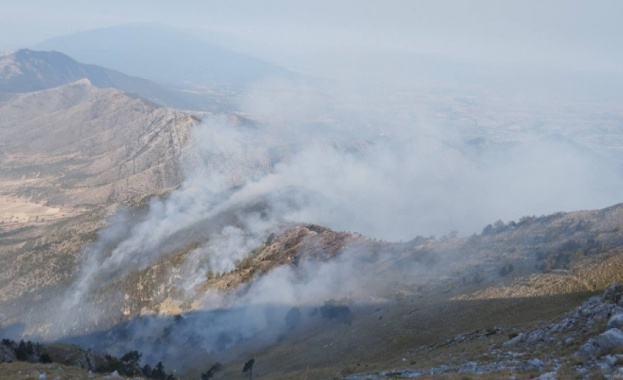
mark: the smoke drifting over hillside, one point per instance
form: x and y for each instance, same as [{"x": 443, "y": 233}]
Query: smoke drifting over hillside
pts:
[{"x": 247, "y": 180}]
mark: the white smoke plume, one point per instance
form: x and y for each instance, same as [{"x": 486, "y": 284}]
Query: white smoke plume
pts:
[{"x": 387, "y": 175}]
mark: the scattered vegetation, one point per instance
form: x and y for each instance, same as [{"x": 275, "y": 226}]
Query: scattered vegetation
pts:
[
  {"x": 248, "y": 368},
  {"x": 209, "y": 374},
  {"x": 567, "y": 253},
  {"x": 506, "y": 269},
  {"x": 128, "y": 365},
  {"x": 27, "y": 351}
]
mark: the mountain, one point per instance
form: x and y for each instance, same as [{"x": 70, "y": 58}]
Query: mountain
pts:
[
  {"x": 489, "y": 303},
  {"x": 28, "y": 70},
  {"x": 165, "y": 55},
  {"x": 82, "y": 145},
  {"x": 118, "y": 235}
]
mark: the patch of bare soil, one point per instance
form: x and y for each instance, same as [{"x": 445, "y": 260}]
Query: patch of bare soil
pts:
[{"x": 16, "y": 212}]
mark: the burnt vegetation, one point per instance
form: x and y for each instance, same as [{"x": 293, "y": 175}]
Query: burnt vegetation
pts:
[{"x": 209, "y": 374}]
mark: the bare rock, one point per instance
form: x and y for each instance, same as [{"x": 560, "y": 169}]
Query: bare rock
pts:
[
  {"x": 615, "y": 322},
  {"x": 610, "y": 342}
]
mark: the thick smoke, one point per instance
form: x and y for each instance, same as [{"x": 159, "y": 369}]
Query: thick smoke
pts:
[{"x": 391, "y": 175}]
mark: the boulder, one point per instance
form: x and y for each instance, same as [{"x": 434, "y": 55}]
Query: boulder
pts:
[
  {"x": 615, "y": 322},
  {"x": 610, "y": 342}
]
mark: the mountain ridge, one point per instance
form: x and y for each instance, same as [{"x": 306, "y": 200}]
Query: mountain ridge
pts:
[
  {"x": 28, "y": 70},
  {"x": 183, "y": 58},
  {"x": 69, "y": 140}
]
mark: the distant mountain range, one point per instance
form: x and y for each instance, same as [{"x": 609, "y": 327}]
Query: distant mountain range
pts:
[
  {"x": 165, "y": 55},
  {"x": 28, "y": 70}
]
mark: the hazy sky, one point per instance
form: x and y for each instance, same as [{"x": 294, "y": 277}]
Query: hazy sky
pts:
[{"x": 559, "y": 33}]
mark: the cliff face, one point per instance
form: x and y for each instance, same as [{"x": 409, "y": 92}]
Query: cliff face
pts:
[{"x": 79, "y": 145}]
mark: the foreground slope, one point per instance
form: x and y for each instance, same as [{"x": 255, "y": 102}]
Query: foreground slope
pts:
[{"x": 396, "y": 307}]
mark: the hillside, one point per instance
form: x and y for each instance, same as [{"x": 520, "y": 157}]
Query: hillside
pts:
[
  {"x": 126, "y": 226},
  {"x": 400, "y": 300},
  {"x": 28, "y": 70},
  {"x": 404, "y": 300},
  {"x": 68, "y": 157},
  {"x": 98, "y": 250},
  {"x": 80, "y": 145}
]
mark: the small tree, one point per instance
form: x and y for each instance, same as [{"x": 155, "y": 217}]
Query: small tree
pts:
[
  {"x": 45, "y": 358},
  {"x": 248, "y": 368},
  {"x": 131, "y": 363},
  {"x": 293, "y": 318},
  {"x": 30, "y": 348},
  {"x": 131, "y": 357},
  {"x": 146, "y": 370},
  {"x": 21, "y": 353},
  {"x": 158, "y": 372},
  {"x": 210, "y": 373}
]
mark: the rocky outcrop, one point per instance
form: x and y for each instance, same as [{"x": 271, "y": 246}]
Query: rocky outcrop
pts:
[
  {"x": 609, "y": 342},
  {"x": 616, "y": 322}
]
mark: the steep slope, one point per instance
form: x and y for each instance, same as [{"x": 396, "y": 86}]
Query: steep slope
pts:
[
  {"x": 28, "y": 70},
  {"x": 80, "y": 145},
  {"x": 414, "y": 298},
  {"x": 69, "y": 156}
]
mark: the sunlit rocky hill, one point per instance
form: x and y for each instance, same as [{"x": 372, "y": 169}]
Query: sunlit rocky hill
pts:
[{"x": 81, "y": 145}]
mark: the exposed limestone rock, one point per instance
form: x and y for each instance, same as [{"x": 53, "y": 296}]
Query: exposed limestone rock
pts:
[
  {"x": 610, "y": 342},
  {"x": 615, "y": 322}
]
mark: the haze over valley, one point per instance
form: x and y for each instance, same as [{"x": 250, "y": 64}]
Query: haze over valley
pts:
[{"x": 332, "y": 191}]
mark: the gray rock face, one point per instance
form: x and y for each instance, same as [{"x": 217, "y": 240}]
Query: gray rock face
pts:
[
  {"x": 610, "y": 342},
  {"x": 615, "y": 322}
]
